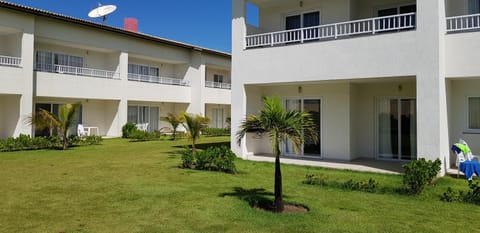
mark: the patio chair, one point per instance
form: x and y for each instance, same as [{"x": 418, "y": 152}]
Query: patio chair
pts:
[
  {"x": 142, "y": 126},
  {"x": 81, "y": 131}
]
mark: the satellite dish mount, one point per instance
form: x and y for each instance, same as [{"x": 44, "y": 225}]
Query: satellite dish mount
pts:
[{"x": 102, "y": 11}]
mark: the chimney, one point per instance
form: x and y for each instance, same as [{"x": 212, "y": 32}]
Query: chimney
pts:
[{"x": 131, "y": 24}]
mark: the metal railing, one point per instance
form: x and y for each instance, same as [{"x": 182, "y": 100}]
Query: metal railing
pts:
[
  {"x": 156, "y": 79},
  {"x": 334, "y": 31},
  {"x": 463, "y": 23},
  {"x": 78, "y": 71},
  {"x": 10, "y": 61},
  {"x": 218, "y": 85}
]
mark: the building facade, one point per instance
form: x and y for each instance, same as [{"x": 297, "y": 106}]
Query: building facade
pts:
[
  {"x": 383, "y": 79},
  {"x": 47, "y": 60}
]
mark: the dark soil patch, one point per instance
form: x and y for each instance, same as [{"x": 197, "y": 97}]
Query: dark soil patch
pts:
[{"x": 288, "y": 208}]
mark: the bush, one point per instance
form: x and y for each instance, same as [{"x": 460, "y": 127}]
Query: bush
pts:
[
  {"x": 420, "y": 173},
  {"x": 364, "y": 186},
  {"x": 25, "y": 142},
  {"x": 312, "y": 179},
  {"x": 128, "y": 129},
  {"x": 140, "y": 135},
  {"x": 212, "y": 159},
  {"x": 188, "y": 160},
  {"x": 472, "y": 196},
  {"x": 215, "y": 132}
]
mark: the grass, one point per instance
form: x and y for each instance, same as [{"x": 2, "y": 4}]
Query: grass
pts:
[{"x": 123, "y": 186}]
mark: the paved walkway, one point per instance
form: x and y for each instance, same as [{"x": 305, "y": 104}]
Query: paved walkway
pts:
[{"x": 366, "y": 165}]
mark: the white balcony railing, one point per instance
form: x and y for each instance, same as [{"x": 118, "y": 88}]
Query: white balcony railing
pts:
[
  {"x": 218, "y": 85},
  {"x": 156, "y": 79},
  {"x": 463, "y": 23},
  {"x": 334, "y": 31},
  {"x": 78, "y": 71},
  {"x": 10, "y": 61}
]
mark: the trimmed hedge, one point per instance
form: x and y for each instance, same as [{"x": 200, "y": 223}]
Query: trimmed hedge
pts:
[{"x": 212, "y": 159}]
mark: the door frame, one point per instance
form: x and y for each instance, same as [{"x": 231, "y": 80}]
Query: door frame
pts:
[
  {"x": 377, "y": 136},
  {"x": 320, "y": 136}
]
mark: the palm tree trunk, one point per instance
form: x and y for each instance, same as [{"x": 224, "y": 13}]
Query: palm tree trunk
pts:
[
  {"x": 278, "y": 179},
  {"x": 174, "y": 133},
  {"x": 65, "y": 140},
  {"x": 193, "y": 147}
]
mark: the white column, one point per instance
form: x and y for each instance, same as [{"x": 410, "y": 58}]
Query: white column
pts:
[
  {"x": 26, "y": 99},
  {"x": 432, "y": 124},
  {"x": 196, "y": 75},
  {"x": 122, "y": 110},
  {"x": 238, "y": 107}
]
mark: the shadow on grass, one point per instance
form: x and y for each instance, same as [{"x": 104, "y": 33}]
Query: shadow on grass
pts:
[
  {"x": 203, "y": 146},
  {"x": 256, "y": 198}
]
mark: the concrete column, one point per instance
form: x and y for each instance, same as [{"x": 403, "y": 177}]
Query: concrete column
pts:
[
  {"x": 26, "y": 99},
  {"x": 238, "y": 111},
  {"x": 196, "y": 74},
  {"x": 432, "y": 122},
  {"x": 123, "y": 66}
]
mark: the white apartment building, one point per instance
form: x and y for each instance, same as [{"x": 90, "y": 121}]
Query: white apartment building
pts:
[
  {"x": 384, "y": 79},
  {"x": 48, "y": 59}
]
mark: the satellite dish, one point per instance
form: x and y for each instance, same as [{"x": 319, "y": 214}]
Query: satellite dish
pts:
[{"x": 102, "y": 11}]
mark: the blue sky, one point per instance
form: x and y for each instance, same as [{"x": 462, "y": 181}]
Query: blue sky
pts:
[{"x": 206, "y": 23}]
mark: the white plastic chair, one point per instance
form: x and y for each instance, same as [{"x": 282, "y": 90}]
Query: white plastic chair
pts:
[
  {"x": 142, "y": 127},
  {"x": 81, "y": 130}
]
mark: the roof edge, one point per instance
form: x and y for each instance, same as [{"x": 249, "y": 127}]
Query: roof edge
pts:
[{"x": 48, "y": 14}]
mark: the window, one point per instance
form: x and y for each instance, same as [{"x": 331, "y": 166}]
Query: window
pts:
[
  {"x": 473, "y": 6},
  {"x": 46, "y": 60},
  {"x": 309, "y": 19},
  {"x": 144, "y": 114},
  {"x": 218, "y": 78},
  {"x": 143, "y": 70},
  {"x": 474, "y": 112},
  {"x": 53, "y": 108},
  {"x": 217, "y": 118}
]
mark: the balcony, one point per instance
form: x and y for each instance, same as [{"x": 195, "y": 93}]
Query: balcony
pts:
[
  {"x": 10, "y": 61},
  {"x": 157, "y": 79},
  {"x": 370, "y": 26},
  {"x": 77, "y": 71},
  {"x": 463, "y": 23},
  {"x": 218, "y": 85}
]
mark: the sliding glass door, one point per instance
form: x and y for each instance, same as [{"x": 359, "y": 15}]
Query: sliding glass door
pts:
[
  {"x": 144, "y": 115},
  {"x": 397, "y": 129},
  {"x": 312, "y": 106}
]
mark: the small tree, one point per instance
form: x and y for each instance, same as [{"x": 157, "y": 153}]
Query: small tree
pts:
[
  {"x": 280, "y": 125},
  {"x": 194, "y": 125},
  {"x": 44, "y": 119},
  {"x": 174, "y": 121}
]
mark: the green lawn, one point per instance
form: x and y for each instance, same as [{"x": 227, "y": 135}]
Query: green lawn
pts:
[{"x": 122, "y": 186}]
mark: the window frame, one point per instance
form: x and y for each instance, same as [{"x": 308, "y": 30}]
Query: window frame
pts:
[{"x": 468, "y": 114}]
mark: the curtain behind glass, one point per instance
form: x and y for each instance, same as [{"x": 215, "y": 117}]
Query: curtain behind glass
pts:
[
  {"x": 473, "y": 6},
  {"x": 292, "y": 104},
  {"x": 474, "y": 113},
  {"x": 385, "y": 122}
]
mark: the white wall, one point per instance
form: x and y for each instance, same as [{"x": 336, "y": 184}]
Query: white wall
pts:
[
  {"x": 9, "y": 115},
  {"x": 462, "y": 51}
]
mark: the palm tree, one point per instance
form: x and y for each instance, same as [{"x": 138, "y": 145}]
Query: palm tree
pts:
[
  {"x": 43, "y": 119},
  {"x": 174, "y": 121},
  {"x": 194, "y": 125},
  {"x": 280, "y": 124}
]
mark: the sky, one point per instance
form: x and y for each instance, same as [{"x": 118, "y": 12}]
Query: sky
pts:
[{"x": 205, "y": 23}]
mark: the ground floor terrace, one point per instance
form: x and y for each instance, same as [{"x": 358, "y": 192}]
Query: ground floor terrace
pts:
[
  {"x": 367, "y": 119},
  {"x": 104, "y": 117}
]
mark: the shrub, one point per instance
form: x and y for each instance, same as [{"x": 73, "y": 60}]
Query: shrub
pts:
[
  {"x": 215, "y": 132},
  {"x": 472, "y": 196},
  {"x": 364, "y": 186},
  {"x": 188, "y": 159},
  {"x": 314, "y": 180},
  {"x": 420, "y": 173},
  {"x": 212, "y": 159},
  {"x": 140, "y": 135},
  {"x": 25, "y": 142},
  {"x": 128, "y": 129}
]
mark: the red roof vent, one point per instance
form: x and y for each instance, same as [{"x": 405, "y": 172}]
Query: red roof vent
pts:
[{"x": 131, "y": 24}]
